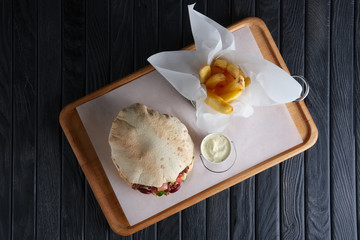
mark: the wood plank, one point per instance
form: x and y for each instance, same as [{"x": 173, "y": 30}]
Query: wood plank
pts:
[
  {"x": 97, "y": 44},
  {"x": 114, "y": 236},
  {"x": 49, "y": 106},
  {"x": 292, "y": 198},
  {"x": 269, "y": 12},
  {"x": 148, "y": 233},
  {"x": 356, "y": 105},
  {"x": 220, "y": 12},
  {"x": 72, "y": 181},
  {"x": 218, "y": 216},
  {"x": 170, "y": 38},
  {"x": 97, "y": 76},
  {"x": 267, "y": 204},
  {"x": 342, "y": 144},
  {"x": 292, "y": 171},
  {"x": 169, "y": 228},
  {"x": 6, "y": 83},
  {"x": 242, "y": 9},
  {"x": 24, "y": 120},
  {"x": 317, "y": 164},
  {"x": 170, "y": 25},
  {"x": 122, "y": 35},
  {"x": 96, "y": 226},
  {"x": 194, "y": 222},
  {"x": 242, "y": 214},
  {"x": 267, "y": 185},
  {"x": 146, "y": 43}
]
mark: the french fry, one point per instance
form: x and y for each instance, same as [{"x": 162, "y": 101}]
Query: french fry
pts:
[
  {"x": 231, "y": 96},
  {"x": 216, "y": 70},
  {"x": 235, "y": 85},
  {"x": 229, "y": 78},
  {"x": 242, "y": 74},
  {"x": 224, "y": 83},
  {"x": 233, "y": 70},
  {"x": 215, "y": 80},
  {"x": 220, "y": 63},
  {"x": 218, "y": 104},
  {"x": 247, "y": 81},
  {"x": 204, "y": 73}
]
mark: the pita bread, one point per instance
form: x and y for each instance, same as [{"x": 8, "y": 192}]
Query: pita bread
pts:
[{"x": 149, "y": 148}]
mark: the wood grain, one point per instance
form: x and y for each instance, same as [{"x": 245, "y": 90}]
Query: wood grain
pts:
[
  {"x": 170, "y": 25},
  {"x": 317, "y": 163},
  {"x": 267, "y": 204},
  {"x": 220, "y": 12},
  {"x": 48, "y": 175},
  {"x": 169, "y": 228},
  {"x": 193, "y": 221},
  {"x": 96, "y": 226},
  {"x": 73, "y": 87},
  {"x": 356, "y": 105},
  {"x": 148, "y": 234},
  {"x": 292, "y": 171},
  {"x": 242, "y": 222},
  {"x": 242, "y": 9},
  {"x": 97, "y": 44},
  {"x": 218, "y": 216},
  {"x": 122, "y": 34},
  {"x": 267, "y": 185},
  {"x": 6, "y": 84},
  {"x": 24, "y": 120},
  {"x": 342, "y": 154},
  {"x": 292, "y": 198},
  {"x": 146, "y": 31},
  {"x": 97, "y": 75},
  {"x": 269, "y": 12}
]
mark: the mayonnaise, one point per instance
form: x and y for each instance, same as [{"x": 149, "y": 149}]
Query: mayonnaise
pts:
[{"x": 215, "y": 147}]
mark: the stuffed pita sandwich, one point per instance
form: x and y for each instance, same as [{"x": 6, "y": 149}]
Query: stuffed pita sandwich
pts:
[{"x": 152, "y": 152}]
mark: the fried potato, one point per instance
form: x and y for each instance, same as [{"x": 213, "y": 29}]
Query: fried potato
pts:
[
  {"x": 235, "y": 85},
  {"x": 247, "y": 81},
  {"x": 204, "y": 73},
  {"x": 216, "y": 70},
  {"x": 220, "y": 63},
  {"x": 224, "y": 83},
  {"x": 233, "y": 70},
  {"x": 218, "y": 104},
  {"x": 231, "y": 96},
  {"x": 229, "y": 78},
  {"x": 215, "y": 80}
]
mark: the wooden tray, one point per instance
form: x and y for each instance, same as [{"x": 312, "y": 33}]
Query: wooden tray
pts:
[{"x": 95, "y": 174}]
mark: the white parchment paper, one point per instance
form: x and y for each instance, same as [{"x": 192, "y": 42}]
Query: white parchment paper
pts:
[{"x": 268, "y": 132}]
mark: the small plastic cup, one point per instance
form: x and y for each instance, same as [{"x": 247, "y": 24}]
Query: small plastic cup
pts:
[{"x": 223, "y": 166}]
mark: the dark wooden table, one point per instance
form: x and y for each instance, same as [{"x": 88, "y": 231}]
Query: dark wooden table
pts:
[{"x": 54, "y": 52}]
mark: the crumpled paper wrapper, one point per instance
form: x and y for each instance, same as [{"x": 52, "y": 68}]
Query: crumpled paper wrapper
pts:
[{"x": 270, "y": 85}]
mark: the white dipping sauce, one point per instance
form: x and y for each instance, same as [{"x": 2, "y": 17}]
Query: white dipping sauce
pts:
[{"x": 215, "y": 147}]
